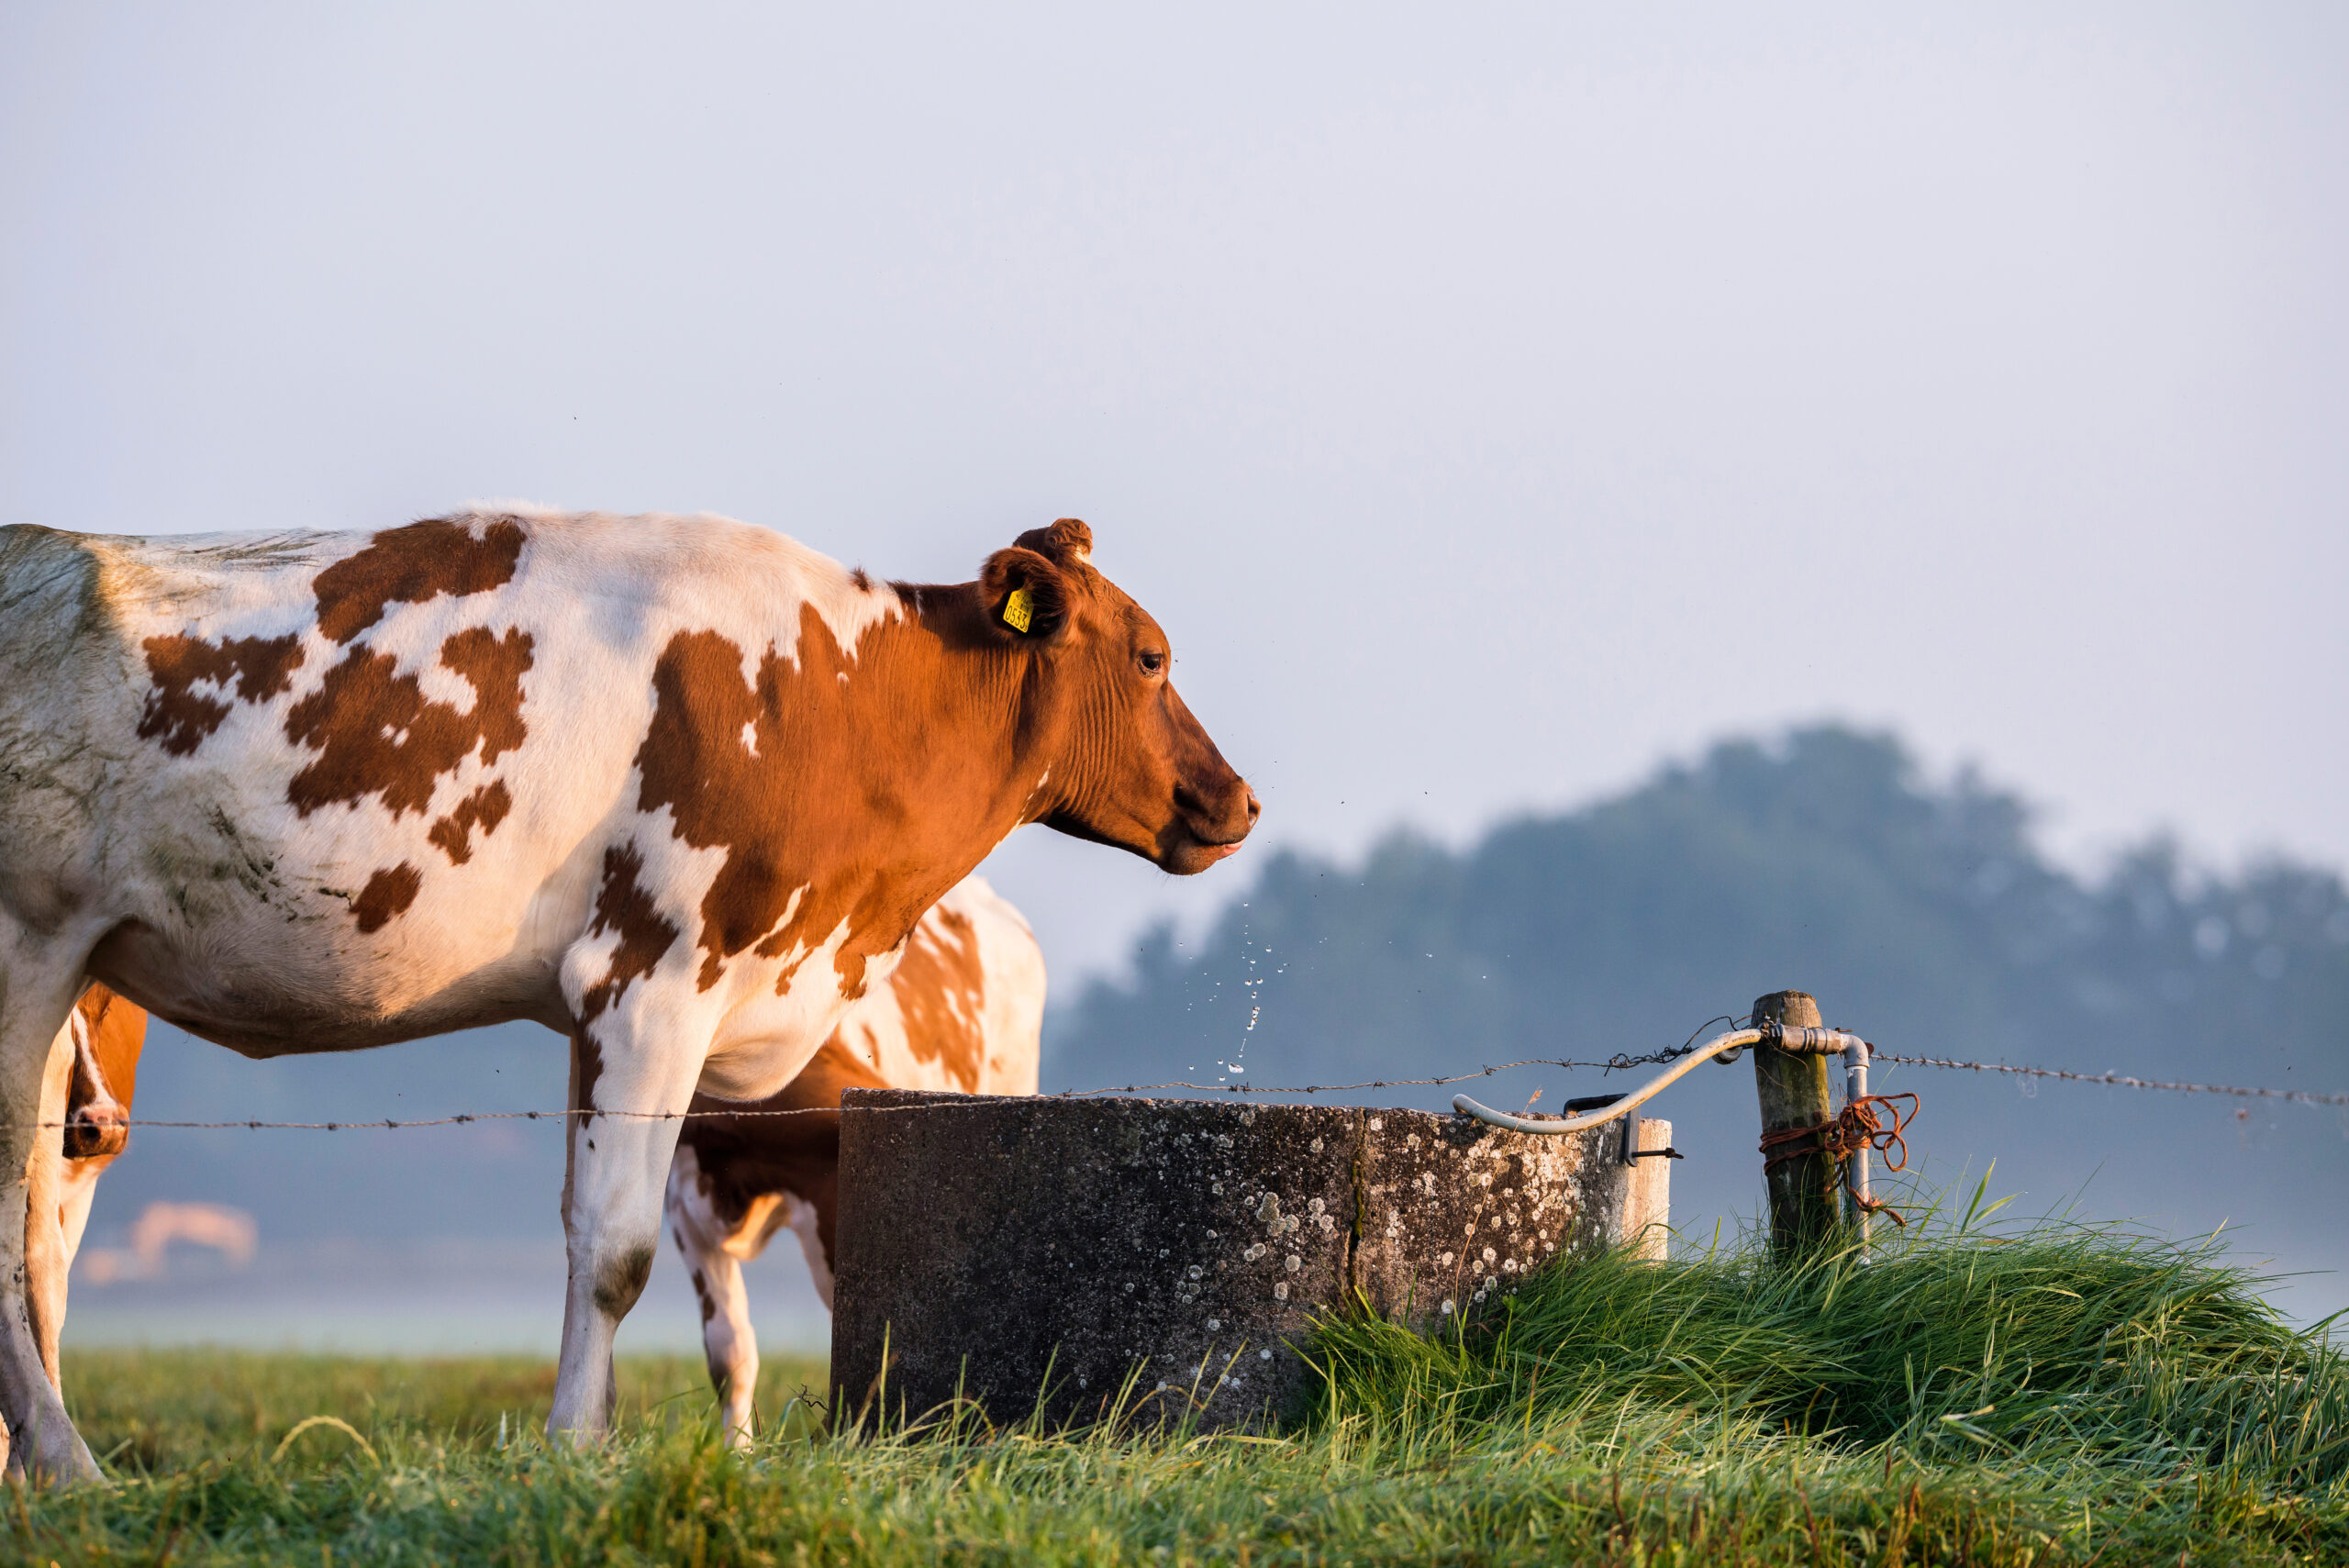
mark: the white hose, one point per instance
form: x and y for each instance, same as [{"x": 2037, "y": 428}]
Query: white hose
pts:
[{"x": 1808, "y": 1042}]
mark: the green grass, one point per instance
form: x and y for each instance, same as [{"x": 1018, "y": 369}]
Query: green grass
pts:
[{"x": 2051, "y": 1394}]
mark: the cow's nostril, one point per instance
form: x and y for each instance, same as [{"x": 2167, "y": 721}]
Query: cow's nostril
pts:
[
  {"x": 1255, "y": 808},
  {"x": 91, "y": 1132}
]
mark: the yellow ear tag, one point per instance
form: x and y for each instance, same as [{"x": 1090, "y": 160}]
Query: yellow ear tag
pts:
[{"x": 1018, "y": 611}]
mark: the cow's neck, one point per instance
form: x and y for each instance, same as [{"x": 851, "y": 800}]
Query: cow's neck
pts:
[{"x": 850, "y": 789}]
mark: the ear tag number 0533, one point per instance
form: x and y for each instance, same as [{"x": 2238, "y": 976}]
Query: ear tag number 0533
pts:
[{"x": 1018, "y": 611}]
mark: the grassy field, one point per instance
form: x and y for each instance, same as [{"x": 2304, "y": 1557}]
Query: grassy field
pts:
[{"x": 2051, "y": 1394}]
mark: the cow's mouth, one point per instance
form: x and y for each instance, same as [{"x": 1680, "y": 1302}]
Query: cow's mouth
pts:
[
  {"x": 1205, "y": 831},
  {"x": 1178, "y": 847},
  {"x": 1192, "y": 853}
]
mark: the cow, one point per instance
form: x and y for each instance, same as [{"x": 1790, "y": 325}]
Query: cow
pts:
[
  {"x": 964, "y": 1011},
  {"x": 677, "y": 787}
]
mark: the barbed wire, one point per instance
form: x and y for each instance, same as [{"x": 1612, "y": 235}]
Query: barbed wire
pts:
[
  {"x": 1620, "y": 1062},
  {"x": 1615, "y": 1063},
  {"x": 363, "y": 1124},
  {"x": 2117, "y": 1080}
]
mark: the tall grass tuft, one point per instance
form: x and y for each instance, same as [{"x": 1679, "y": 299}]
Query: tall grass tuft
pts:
[{"x": 2057, "y": 1341}]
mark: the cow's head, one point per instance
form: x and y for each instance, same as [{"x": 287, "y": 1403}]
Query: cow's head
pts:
[
  {"x": 107, "y": 1033},
  {"x": 1134, "y": 770}
]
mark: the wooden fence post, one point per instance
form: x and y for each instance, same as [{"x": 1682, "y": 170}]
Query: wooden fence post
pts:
[{"x": 1795, "y": 1095}]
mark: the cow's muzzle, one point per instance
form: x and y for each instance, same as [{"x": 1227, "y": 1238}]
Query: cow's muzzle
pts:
[
  {"x": 1210, "y": 830},
  {"x": 98, "y": 1128}
]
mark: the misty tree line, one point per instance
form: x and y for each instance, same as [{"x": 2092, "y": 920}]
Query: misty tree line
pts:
[{"x": 1921, "y": 913}]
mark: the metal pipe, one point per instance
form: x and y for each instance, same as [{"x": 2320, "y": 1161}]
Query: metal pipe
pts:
[
  {"x": 1821, "y": 1042},
  {"x": 1855, "y": 1089}
]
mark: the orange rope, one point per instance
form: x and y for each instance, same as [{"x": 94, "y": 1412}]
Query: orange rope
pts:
[{"x": 1855, "y": 1127}]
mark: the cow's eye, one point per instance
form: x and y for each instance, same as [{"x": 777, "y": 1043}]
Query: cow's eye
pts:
[{"x": 1153, "y": 661}]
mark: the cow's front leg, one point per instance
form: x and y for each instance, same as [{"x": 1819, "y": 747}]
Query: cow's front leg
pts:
[
  {"x": 52, "y": 1233},
  {"x": 36, "y": 990},
  {"x": 629, "y": 1084}
]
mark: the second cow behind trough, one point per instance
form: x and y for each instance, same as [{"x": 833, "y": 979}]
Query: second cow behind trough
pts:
[{"x": 963, "y": 1012}]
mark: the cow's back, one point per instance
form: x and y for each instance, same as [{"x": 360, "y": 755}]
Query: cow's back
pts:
[{"x": 319, "y": 791}]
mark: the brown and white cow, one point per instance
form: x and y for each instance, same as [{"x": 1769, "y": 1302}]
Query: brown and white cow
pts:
[
  {"x": 677, "y": 787},
  {"x": 965, "y": 1011}
]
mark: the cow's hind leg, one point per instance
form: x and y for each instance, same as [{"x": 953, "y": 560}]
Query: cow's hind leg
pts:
[
  {"x": 37, "y": 991},
  {"x": 629, "y": 1084},
  {"x": 727, "y": 1340}
]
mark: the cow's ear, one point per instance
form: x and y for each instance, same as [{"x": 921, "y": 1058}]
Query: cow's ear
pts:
[
  {"x": 1068, "y": 542},
  {"x": 1026, "y": 595}
]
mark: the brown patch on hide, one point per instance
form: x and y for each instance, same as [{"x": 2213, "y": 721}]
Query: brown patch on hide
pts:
[
  {"x": 409, "y": 565},
  {"x": 743, "y": 1159},
  {"x": 376, "y": 734},
  {"x": 941, "y": 988},
  {"x": 646, "y": 935},
  {"x": 709, "y": 1302},
  {"x": 484, "y": 809},
  {"x": 249, "y": 668},
  {"x": 586, "y": 1069},
  {"x": 386, "y": 897},
  {"x": 621, "y": 1280},
  {"x": 855, "y": 800}
]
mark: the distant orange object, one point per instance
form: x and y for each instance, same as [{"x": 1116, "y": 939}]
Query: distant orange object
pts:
[{"x": 230, "y": 1230}]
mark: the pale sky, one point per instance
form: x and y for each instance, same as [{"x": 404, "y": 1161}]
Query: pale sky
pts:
[{"x": 1490, "y": 406}]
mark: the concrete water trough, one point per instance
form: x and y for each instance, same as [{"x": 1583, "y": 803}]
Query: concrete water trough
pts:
[{"x": 989, "y": 1244}]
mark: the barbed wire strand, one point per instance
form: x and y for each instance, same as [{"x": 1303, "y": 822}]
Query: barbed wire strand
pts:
[
  {"x": 2117, "y": 1080},
  {"x": 1616, "y": 1063}
]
